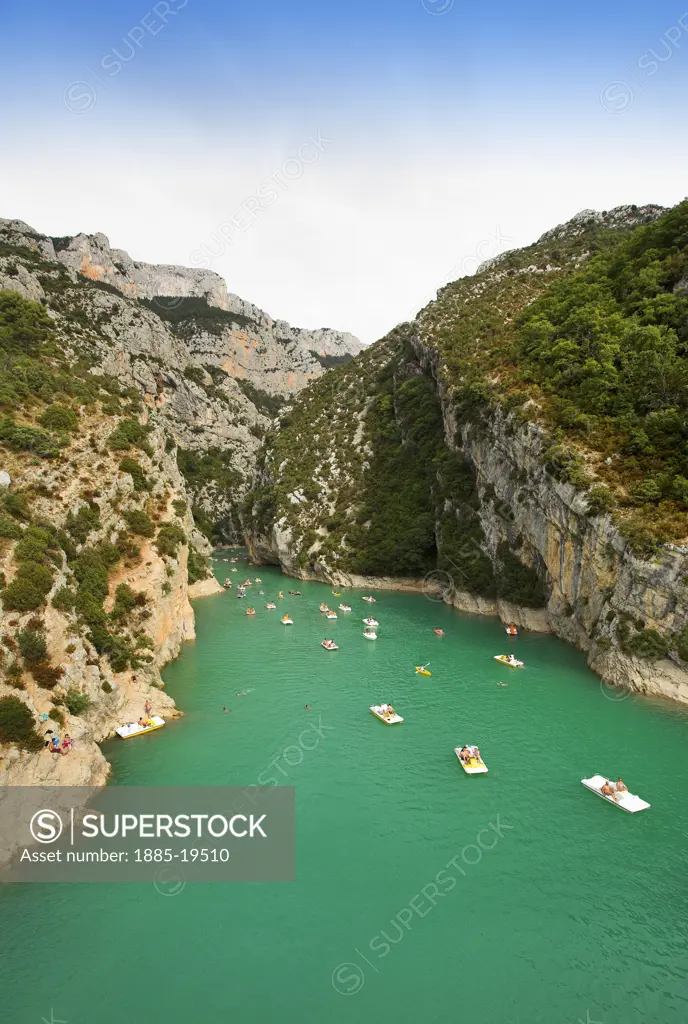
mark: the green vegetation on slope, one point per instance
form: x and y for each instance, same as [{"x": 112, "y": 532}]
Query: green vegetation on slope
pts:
[{"x": 600, "y": 353}]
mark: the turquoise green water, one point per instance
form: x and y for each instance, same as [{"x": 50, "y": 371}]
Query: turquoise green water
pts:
[{"x": 557, "y": 907}]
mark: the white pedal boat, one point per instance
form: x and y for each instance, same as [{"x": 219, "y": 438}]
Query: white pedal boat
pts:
[
  {"x": 270, "y": 605},
  {"x": 370, "y": 622},
  {"x": 508, "y": 659},
  {"x": 626, "y": 801},
  {"x": 476, "y": 765},
  {"x": 329, "y": 646},
  {"x": 331, "y": 615},
  {"x": 134, "y": 729},
  {"x": 369, "y": 635},
  {"x": 345, "y": 607},
  {"x": 386, "y": 714},
  {"x": 287, "y": 621},
  {"x": 370, "y": 600}
]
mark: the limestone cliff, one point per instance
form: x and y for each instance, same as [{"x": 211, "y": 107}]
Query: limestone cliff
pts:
[
  {"x": 214, "y": 368},
  {"x": 436, "y": 456}
]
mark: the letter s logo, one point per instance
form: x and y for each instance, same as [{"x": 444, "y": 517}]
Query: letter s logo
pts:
[{"x": 46, "y": 826}]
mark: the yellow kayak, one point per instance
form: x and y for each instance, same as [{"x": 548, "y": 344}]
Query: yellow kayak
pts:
[
  {"x": 422, "y": 671},
  {"x": 336, "y": 595}
]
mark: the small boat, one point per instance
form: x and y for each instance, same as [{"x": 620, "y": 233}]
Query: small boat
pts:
[
  {"x": 240, "y": 595},
  {"x": 508, "y": 659},
  {"x": 257, "y": 580},
  {"x": 370, "y": 622},
  {"x": 287, "y": 621},
  {"x": 335, "y": 594},
  {"x": 227, "y": 584},
  {"x": 475, "y": 764},
  {"x": 331, "y": 614},
  {"x": 329, "y": 645},
  {"x": 438, "y": 632},
  {"x": 295, "y": 593},
  {"x": 234, "y": 570},
  {"x": 625, "y": 800},
  {"x": 422, "y": 671},
  {"x": 280, "y": 595},
  {"x": 369, "y": 635},
  {"x": 250, "y": 611},
  {"x": 248, "y": 583},
  {"x": 323, "y": 607},
  {"x": 261, "y": 593},
  {"x": 134, "y": 729},
  {"x": 370, "y": 600},
  {"x": 270, "y": 605},
  {"x": 386, "y": 714},
  {"x": 511, "y": 630},
  {"x": 345, "y": 607}
]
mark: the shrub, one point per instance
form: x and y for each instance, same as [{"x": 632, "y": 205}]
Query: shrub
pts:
[
  {"x": 106, "y": 687},
  {"x": 79, "y": 525},
  {"x": 125, "y": 601},
  {"x": 17, "y": 504},
  {"x": 129, "y": 434},
  {"x": 24, "y": 325},
  {"x": 9, "y": 529},
  {"x": 599, "y": 500},
  {"x": 57, "y": 716},
  {"x": 32, "y": 646},
  {"x": 60, "y": 418},
  {"x": 28, "y": 589},
  {"x": 64, "y": 599},
  {"x": 198, "y": 566},
  {"x": 681, "y": 641},
  {"x": 135, "y": 471},
  {"x": 46, "y": 675},
  {"x": 28, "y": 439},
  {"x": 77, "y": 702},
  {"x": 140, "y": 523},
  {"x": 647, "y": 644},
  {"x": 17, "y": 724},
  {"x": 170, "y": 536},
  {"x": 180, "y": 507},
  {"x": 14, "y": 676}
]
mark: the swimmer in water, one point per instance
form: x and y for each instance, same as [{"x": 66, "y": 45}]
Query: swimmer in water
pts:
[
  {"x": 225, "y": 709},
  {"x": 308, "y": 707},
  {"x": 502, "y": 684}
]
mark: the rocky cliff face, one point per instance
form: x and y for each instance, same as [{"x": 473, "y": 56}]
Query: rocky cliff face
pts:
[
  {"x": 600, "y": 593},
  {"x": 133, "y": 401},
  {"x": 164, "y": 617},
  {"x": 214, "y": 368},
  {"x": 490, "y": 526}
]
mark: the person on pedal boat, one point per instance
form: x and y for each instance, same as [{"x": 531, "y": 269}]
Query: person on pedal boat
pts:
[
  {"x": 621, "y": 786},
  {"x": 465, "y": 754},
  {"x": 608, "y": 790}
]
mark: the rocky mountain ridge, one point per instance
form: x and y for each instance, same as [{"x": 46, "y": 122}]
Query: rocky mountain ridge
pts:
[
  {"x": 213, "y": 367},
  {"x": 436, "y": 455}
]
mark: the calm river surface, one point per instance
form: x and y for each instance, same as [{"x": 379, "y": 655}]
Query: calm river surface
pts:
[{"x": 542, "y": 903}]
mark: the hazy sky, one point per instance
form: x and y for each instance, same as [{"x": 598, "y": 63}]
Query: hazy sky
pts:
[{"x": 337, "y": 161}]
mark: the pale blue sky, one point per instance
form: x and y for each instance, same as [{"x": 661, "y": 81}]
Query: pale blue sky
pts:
[{"x": 442, "y": 132}]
